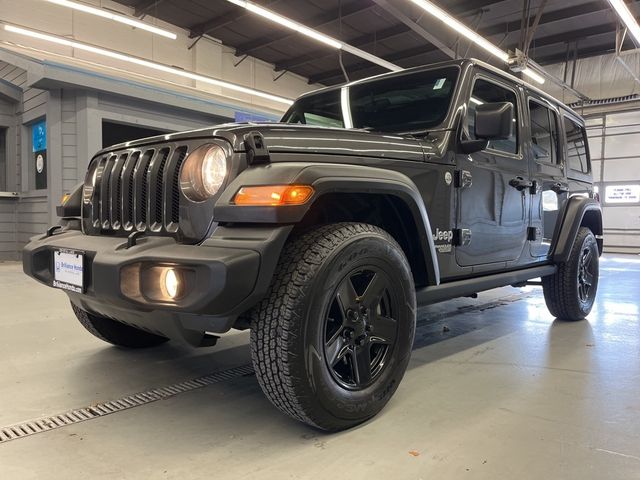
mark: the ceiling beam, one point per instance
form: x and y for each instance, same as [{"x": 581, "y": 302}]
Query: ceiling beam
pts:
[
  {"x": 549, "y": 40},
  {"x": 357, "y": 6},
  {"x": 469, "y": 8},
  {"x": 593, "y": 51},
  {"x": 145, "y": 6},
  {"x": 513, "y": 26},
  {"x": 357, "y": 42},
  {"x": 429, "y": 37},
  {"x": 221, "y": 21}
]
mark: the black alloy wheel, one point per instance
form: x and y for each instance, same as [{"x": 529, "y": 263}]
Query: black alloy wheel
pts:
[
  {"x": 587, "y": 271},
  {"x": 360, "y": 328}
]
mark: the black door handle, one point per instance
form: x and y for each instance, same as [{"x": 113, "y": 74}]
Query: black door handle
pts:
[
  {"x": 520, "y": 183},
  {"x": 560, "y": 188}
]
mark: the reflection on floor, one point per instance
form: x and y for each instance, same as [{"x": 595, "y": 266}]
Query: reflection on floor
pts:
[{"x": 496, "y": 389}]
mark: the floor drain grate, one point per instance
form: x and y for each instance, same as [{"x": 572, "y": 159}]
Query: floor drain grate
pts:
[{"x": 97, "y": 410}]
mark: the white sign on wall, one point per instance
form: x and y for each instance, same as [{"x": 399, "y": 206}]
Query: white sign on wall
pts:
[{"x": 622, "y": 194}]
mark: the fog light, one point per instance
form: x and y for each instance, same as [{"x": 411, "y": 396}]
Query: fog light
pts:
[{"x": 171, "y": 283}]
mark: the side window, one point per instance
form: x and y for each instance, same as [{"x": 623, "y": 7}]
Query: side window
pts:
[
  {"x": 577, "y": 159},
  {"x": 488, "y": 92},
  {"x": 544, "y": 132}
]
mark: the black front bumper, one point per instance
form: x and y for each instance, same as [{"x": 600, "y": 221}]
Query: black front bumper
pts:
[{"x": 232, "y": 271}]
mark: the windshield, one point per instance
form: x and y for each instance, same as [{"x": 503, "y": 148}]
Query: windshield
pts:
[{"x": 403, "y": 103}]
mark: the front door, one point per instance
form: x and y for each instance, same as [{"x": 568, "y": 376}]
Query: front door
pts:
[
  {"x": 493, "y": 198},
  {"x": 551, "y": 188}
]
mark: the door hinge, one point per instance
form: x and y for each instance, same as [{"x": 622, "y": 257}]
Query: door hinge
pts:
[
  {"x": 534, "y": 188},
  {"x": 462, "y": 237},
  {"x": 463, "y": 179},
  {"x": 533, "y": 233}
]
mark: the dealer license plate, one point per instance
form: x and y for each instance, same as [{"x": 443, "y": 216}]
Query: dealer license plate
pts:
[{"x": 68, "y": 270}]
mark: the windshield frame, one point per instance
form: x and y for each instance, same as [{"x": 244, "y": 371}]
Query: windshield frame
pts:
[{"x": 344, "y": 94}]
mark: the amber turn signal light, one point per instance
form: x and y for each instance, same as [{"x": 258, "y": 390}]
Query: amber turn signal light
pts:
[{"x": 273, "y": 195}]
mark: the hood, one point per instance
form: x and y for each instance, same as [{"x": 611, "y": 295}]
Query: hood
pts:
[{"x": 290, "y": 138}]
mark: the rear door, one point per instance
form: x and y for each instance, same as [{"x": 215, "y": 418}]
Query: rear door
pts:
[
  {"x": 550, "y": 191},
  {"x": 492, "y": 216}
]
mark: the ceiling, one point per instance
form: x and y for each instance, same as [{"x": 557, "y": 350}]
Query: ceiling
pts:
[{"x": 567, "y": 29}]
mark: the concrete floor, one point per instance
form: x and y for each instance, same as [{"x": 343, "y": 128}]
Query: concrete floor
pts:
[{"x": 507, "y": 392}]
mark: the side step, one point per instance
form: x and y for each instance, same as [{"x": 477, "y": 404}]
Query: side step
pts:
[{"x": 469, "y": 286}]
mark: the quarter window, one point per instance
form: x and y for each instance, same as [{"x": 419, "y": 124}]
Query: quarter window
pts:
[
  {"x": 544, "y": 132},
  {"x": 577, "y": 157},
  {"x": 488, "y": 92}
]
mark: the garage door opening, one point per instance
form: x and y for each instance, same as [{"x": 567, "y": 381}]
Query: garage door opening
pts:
[{"x": 113, "y": 133}]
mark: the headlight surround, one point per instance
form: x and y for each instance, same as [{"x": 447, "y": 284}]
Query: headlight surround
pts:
[
  {"x": 204, "y": 172},
  {"x": 90, "y": 183}
]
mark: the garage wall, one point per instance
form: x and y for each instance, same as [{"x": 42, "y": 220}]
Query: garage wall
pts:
[
  {"x": 614, "y": 140},
  {"x": 8, "y": 228},
  {"x": 207, "y": 56},
  {"x": 597, "y": 77}
]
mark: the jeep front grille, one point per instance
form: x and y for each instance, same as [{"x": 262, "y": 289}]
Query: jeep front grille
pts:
[{"x": 138, "y": 190}]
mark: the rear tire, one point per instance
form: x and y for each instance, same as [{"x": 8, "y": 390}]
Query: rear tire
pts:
[
  {"x": 571, "y": 291},
  {"x": 332, "y": 338},
  {"x": 116, "y": 333}
]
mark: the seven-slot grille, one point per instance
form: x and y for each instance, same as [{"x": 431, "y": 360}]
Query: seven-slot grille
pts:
[{"x": 138, "y": 190}]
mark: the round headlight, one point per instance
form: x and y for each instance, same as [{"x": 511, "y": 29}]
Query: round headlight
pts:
[{"x": 203, "y": 173}]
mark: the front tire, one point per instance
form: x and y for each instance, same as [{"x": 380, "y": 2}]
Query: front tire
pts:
[
  {"x": 332, "y": 339},
  {"x": 571, "y": 291},
  {"x": 116, "y": 333}
]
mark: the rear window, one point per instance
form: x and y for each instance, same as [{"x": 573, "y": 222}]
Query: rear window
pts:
[{"x": 577, "y": 154}]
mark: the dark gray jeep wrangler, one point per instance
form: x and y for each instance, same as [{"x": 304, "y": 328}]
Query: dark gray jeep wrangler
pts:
[{"x": 325, "y": 232}]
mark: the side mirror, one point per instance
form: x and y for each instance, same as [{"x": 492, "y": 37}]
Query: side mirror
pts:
[{"x": 494, "y": 121}]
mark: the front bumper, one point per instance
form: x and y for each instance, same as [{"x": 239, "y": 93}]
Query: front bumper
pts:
[{"x": 232, "y": 271}]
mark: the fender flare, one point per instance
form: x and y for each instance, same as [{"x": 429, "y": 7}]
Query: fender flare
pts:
[
  {"x": 327, "y": 178},
  {"x": 575, "y": 211}
]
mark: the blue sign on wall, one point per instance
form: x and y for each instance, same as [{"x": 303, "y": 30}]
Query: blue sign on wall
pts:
[{"x": 39, "y": 136}]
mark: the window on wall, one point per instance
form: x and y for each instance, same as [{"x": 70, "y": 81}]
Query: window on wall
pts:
[
  {"x": 576, "y": 146},
  {"x": 489, "y": 92},
  {"x": 544, "y": 132},
  {"x": 3, "y": 159},
  {"x": 114, "y": 133}
]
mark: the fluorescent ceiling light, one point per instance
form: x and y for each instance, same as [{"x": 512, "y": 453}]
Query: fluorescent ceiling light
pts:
[
  {"x": 314, "y": 34},
  {"x": 285, "y": 22},
  {"x": 465, "y": 31},
  {"x": 145, "y": 63},
  {"x": 115, "y": 17},
  {"x": 627, "y": 17}
]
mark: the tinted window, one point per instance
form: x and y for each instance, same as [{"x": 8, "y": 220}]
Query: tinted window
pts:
[
  {"x": 488, "y": 92},
  {"x": 544, "y": 128},
  {"x": 576, "y": 146},
  {"x": 322, "y": 110},
  {"x": 405, "y": 103}
]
